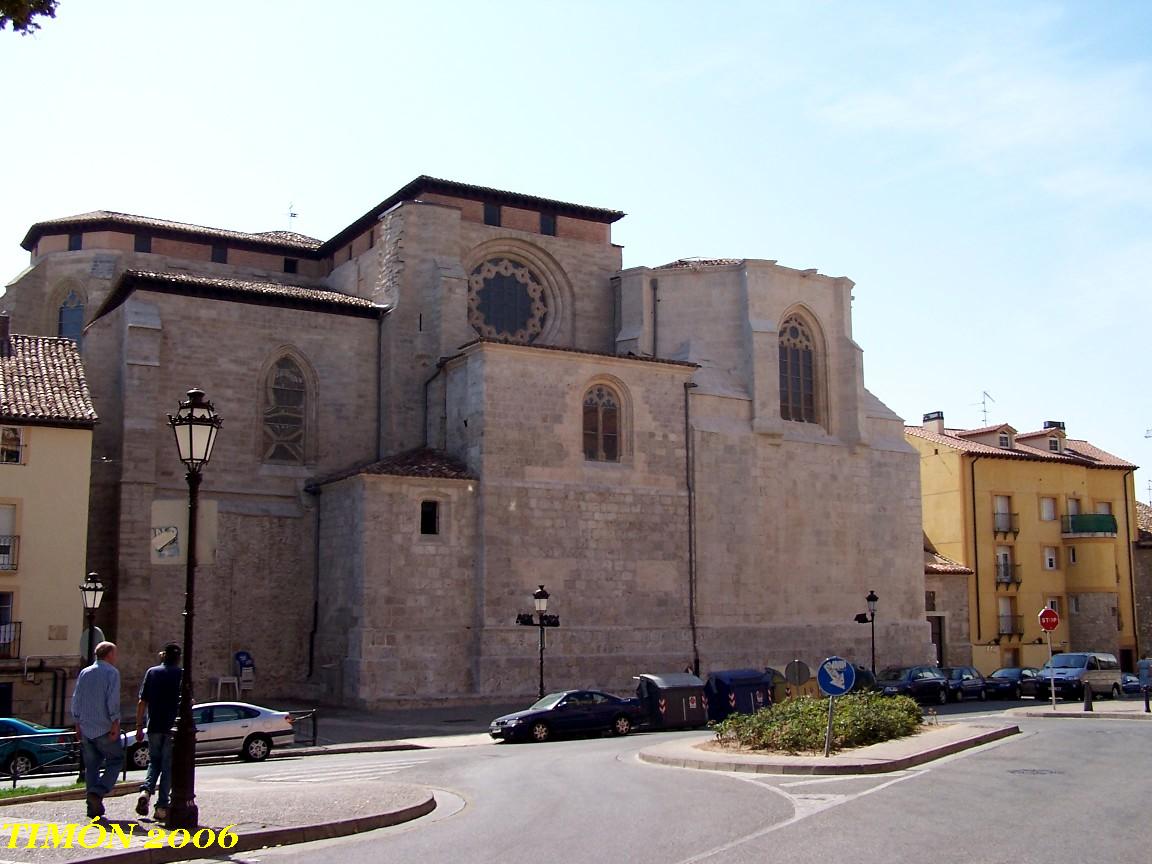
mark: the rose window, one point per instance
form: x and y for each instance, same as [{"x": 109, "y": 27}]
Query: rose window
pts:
[{"x": 506, "y": 301}]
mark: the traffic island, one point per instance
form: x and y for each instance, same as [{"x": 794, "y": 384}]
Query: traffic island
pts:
[
  {"x": 242, "y": 815},
  {"x": 933, "y": 742}
]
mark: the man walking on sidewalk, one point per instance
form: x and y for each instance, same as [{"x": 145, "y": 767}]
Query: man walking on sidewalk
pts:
[
  {"x": 160, "y": 697},
  {"x": 96, "y": 710}
]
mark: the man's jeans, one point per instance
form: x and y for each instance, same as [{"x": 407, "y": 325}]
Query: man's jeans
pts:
[
  {"x": 159, "y": 766},
  {"x": 103, "y": 759}
]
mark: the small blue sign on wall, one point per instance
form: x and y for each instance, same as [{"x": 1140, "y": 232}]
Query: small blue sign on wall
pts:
[{"x": 836, "y": 676}]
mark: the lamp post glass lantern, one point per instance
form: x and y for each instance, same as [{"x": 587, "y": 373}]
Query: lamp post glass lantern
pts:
[
  {"x": 195, "y": 426},
  {"x": 92, "y": 592}
]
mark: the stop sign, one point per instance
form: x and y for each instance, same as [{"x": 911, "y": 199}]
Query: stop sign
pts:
[{"x": 1049, "y": 619}]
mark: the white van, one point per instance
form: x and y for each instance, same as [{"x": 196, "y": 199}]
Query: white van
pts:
[{"x": 1075, "y": 670}]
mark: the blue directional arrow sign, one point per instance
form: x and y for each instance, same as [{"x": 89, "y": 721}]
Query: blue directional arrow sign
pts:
[{"x": 836, "y": 676}]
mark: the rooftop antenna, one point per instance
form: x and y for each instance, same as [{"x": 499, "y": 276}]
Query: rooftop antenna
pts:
[
  {"x": 986, "y": 397},
  {"x": 291, "y": 215}
]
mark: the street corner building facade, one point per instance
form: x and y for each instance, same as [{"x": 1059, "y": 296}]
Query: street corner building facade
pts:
[
  {"x": 461, "y": 396},
  {"x": 1039, "y": 520},
  {"x": 46, "y": 422}
]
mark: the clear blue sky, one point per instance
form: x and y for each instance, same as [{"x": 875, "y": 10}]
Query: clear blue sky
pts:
[{"x": 983, "y": 171}]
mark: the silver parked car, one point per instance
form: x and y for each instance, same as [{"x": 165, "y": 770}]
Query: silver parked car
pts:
[{"x": 249, "y": 731}]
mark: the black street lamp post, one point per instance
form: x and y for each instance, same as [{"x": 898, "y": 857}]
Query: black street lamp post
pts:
[
  {"x": 92, "y": 592},
  {"x": 869, "y": 617},
  {"x": 195, "y": 426},
  {"x": 542, "y": 620}
]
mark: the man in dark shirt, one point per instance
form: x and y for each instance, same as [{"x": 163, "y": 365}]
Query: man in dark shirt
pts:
[{"x": 160, "y": 697}]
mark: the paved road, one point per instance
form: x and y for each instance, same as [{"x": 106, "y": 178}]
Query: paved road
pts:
[{"x": 1063, "y": 791}]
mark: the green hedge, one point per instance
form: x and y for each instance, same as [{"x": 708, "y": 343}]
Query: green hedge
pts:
[{"x": 799, "y": 724}]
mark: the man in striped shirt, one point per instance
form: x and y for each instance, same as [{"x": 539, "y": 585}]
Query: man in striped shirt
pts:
[{"x": 96, "y": 710}]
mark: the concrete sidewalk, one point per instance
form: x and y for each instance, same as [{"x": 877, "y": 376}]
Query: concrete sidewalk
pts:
[
  {"x": 348, "y": 726},
  {"x": 1102, "y": 709},
  {"x": 933, "y": 743},
  {"x": 260, "y": 813}
]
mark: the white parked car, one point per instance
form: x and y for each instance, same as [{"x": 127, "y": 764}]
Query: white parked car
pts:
[{"x": 249, "y": 731}]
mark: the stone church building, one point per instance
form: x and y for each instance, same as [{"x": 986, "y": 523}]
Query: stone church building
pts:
[{"x": 459, "y": 397}]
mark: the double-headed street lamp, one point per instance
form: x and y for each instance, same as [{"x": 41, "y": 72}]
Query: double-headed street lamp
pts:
[
  {"x": 195, "y": 426},
  {"x": 540, "y": 600},
  {"x": 869, "y": 617}
]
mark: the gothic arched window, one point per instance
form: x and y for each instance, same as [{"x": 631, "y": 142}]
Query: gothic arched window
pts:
[
  {"x": 601, "y": 424},
  {"x": 285, "y": 412},
  {"x": 798, "y": 397},
  {"x": 70, "y": 322}
]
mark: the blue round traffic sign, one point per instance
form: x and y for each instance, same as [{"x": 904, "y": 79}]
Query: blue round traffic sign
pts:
[{"x": 836, "y": 676}]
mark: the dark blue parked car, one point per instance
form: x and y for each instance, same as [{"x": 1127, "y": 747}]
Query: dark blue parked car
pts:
[
  {"x": 922, "y": 683},
  {"x": 569, "y": 712},
  {"x": 1130, "y": 684},
  {"x": 1012, "y": 682},
  {"x": 964, "y": 682}
]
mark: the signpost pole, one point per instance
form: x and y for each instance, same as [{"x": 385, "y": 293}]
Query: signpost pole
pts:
[
  {"x": 1051, "y": 672},
  {"x": 828, "y": 734}
]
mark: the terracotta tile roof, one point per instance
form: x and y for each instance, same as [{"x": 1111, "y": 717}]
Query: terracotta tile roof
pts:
[
  {"x": 42, "y": 382},
  {"x": 424, "y": 184},
  {"x": 98, "y": 220},
  {"x": 936, "y": 563},
  {"x": 486, "y": 341},
  {"x": 1076, "y": 451},
  {"x": 983, "y": 430},
  {"x": 422, "y": 462},
  {"x": 689, "y": 263},
  {"x": 1144, "y": 521},
  {"x": 271, "y": 293}
]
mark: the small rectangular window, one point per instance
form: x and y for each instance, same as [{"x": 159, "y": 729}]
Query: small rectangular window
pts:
[
  {"x": 1048, "y": 509},
  {"x": 1054, "y": 445},
  {"x": 11, "y": 445},
  {"x": 1071, "y": 554},
  {"x": 492, "y": 215},
  {"x": 75, "y": 241},
  {"x": 548, "y": 224},
  {"x": 929, "y": 601},
  {"x": 1051, "y": 558},
  {"x": 1054, "y": 605},
  {"x": 143, "y": 243},
  {"x": 1005, "y": 441},
  {"x": 429, "y": 517},
  {"x": 290, "y": 265},
  {"x": 1075, "y": 604},
  {"x": 219, "y": 253}
]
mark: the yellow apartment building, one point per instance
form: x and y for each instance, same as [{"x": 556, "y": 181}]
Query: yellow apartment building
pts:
[
  {"x": 1042, "y": 520},
  {"x": 46, "y": 420}
]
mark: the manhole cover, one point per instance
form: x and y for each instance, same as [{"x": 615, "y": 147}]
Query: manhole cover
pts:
[{"x": 1033, "y": 772}]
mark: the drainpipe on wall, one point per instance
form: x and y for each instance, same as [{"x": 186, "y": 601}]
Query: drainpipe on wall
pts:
[
  {"x": 315, "y": 492},
  {"x": 427, "y": 384},
  {"x": 655, "y": 285},
  {"x": 1131, "y": 567},
  {"x": 975, "y": 545},
  {"x": 689, "y": 476},
  {"x": 379, "y": 385}
]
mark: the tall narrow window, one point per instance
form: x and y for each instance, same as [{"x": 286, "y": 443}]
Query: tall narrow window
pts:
[
  {"x": 285, "y": 401},
  {"x": 9, "y": 542},
  {"x": 797, "y": 372},
  {"x": 429, "y": 517},
  {"x": 75, "y": 241},
  {"x": 11, "y": 445},
  {"x": 548, "y": 224},
  {"x": 70, "y": 323},
  {"x": 601, "y": 425}
]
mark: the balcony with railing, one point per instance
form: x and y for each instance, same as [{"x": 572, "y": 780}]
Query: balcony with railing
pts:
[
  {"x": 1006, "y": 523},
  {"x": 10, "y": 640},
  {"x": 9, "y": 551},
  {"x": 1088, "y": 525},
  {"x": 1007, "y": 574},
  {"x": 1011, "y": 625}
]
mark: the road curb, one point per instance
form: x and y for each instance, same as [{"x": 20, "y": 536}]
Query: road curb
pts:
[
  {"x": 877, "y": 767},
  {"x": 1087, "y": 715},
  {"x": 124, "y": 788},
  {"x": 274, "y": 837}
]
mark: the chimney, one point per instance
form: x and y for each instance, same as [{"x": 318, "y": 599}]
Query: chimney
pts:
[
  {"x": 5, "y": 331},
  {"x": 1054, "y": 424},
  {"x": 934, "y": 422}
]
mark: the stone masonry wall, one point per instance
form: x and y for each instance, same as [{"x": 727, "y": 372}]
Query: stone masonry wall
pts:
[{"x": 1093, "y": 626}]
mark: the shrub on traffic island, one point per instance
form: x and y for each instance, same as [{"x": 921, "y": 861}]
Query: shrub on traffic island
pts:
[{"x": 799, "y": 725}]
